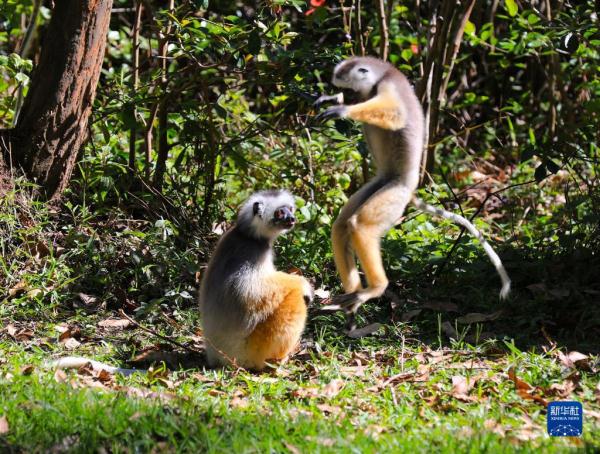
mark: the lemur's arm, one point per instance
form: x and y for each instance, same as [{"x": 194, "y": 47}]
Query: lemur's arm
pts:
[{"x": 384, "y": 110}]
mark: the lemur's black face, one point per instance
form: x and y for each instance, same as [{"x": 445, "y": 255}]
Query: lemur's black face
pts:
[{"x": 284, "y": 217}]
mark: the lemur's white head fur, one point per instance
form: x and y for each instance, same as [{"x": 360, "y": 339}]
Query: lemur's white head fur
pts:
[
  {"x": 360, "y": 74},
  {"x": 267, "y": 214}
]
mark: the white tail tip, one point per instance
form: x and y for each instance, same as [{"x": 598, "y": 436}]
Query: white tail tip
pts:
[{"x": 505, "y": 291}]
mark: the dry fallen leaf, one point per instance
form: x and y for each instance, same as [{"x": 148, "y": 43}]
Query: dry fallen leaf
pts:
[
  {"x": 88, "y": 302},
  {"x": 537, "y": 288},
  {"x": 449, "y": 330},
  {"x": 3, "y": 425},
  {"x": 329, "y": 409},
  {"x": 327, "y": 442},
  {"x": 219, "y": 228},
  {"x": 27, "y": 369},
  {"x": 22, "y": 335},
  {"x": 364, "y": 331},
  {"x": 17, "y": 289},
  {"x": 374, "y": 430},
  {"x": 60, "y": 376},
  {"x": 493, "y": 426},
  {"x": 469, "y": 364},
  {"x": 68, "y": 333},
  {"x": 562, "y": 390},
  {"x": 461, "y": 387},
  {"x": 71, "y": 343},
  {"x": 440, "y": 306},
  {"x": 356, "y": 371},
  {"x": 103, "y": 375},
  {"x": 114, "y": 323},
  {"x": 520, "y": 384},
  {"x": 333, "y": 388},
  {"x": 409, "y": 315},
  {"x": 574, "y": 360},
  {"x": 34, "y": 293},
  {"x": 11, "y": 329},
  {"x": 149, "y": 394},
  {"x": 137, "y": 415},
  {"x": 39, "y": 249},
  {"x": 421, "y": 375},
  {"x": 238, "y": 402},
  {"x": 436, "y": 356},
  {"x": 291, "y": 448},
  {"x": 295, "y": 270},
  {"x": 215, "y": 392},
  {"x": 525, "y": 390},
  {"x": 67, "y": 444},
  {"x": 476, "y": 317},
  {"x": 593, "y": 414}
]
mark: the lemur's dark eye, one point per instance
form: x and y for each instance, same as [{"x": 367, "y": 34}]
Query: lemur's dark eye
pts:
[
  {"x": 363, "y": 70},
  {"x": 258, "y": 209}
]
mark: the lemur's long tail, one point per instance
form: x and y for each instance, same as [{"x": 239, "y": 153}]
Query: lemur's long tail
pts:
[
  {"x": 74, "y": 362},
  {"x": 425, "y": 207}
]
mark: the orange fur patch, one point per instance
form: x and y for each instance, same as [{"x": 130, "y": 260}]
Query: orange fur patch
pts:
[
  {"x": 276, "y": 337},
  {"x": 386, "y": 119}
]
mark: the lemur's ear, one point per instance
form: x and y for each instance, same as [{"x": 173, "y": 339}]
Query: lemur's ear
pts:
[{"x": 258, "y": 209}]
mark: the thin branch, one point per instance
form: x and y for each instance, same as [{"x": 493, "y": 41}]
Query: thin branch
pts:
[
  {"x": 163, "y": 145},
  {"x": 384, "y": 45},
  {"x": 148, "y": 139},
  {"x": 24, "y": 51},
  {"x": 136, "y": 79},
  {"x": 451, "y": 60},
  {"x": 359, "y": 30}
]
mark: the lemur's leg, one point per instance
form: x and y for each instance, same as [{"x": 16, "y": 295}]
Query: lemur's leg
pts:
[
  {"x": 340, "y": 237},
  {"x": 366, "y": 226}
]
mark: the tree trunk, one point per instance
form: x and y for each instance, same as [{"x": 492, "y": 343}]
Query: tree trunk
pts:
[{"x": 53, "y": 121}]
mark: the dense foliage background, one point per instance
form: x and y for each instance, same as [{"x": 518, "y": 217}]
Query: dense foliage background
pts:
[
  {"x": 202, "y": 102},
  {"x": 220, "y": 104}
]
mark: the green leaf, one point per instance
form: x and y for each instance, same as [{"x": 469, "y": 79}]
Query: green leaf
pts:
[
  {"x": 254, "y": 42},
  {"x": 527, "y": 152},
  {"x": 511, "y": 7},
  {"x": 533, "y": 19},
  {"x": 470, "y": 28},
  {"x": 128, "y": 116},
  {"x": 593, "y": 105},
  {"x": 406, "y": 54}
]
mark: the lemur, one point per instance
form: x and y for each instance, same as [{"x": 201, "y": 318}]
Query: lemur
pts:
[
  {"x": 393, "y": 126},
  {"x": 251, "y": 313}
]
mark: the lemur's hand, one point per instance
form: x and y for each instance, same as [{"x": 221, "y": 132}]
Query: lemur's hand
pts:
[
  {"x": 332, "y": 112},
  {"x": 337, "y": 99}
]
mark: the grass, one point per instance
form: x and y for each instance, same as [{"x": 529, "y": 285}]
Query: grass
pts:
[
  {"x": 424, "y": 382},
  {"x": 294, "y": 407}
]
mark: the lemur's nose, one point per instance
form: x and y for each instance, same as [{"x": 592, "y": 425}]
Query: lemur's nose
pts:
[{"x": 285, "y": 216}]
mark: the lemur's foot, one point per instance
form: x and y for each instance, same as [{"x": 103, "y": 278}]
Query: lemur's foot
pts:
[
  {"x": 332, "y": 112},
  {"x": 347, "y": 302}
]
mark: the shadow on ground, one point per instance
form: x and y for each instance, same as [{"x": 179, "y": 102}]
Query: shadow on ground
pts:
[{"x": 554, "y": 300}]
